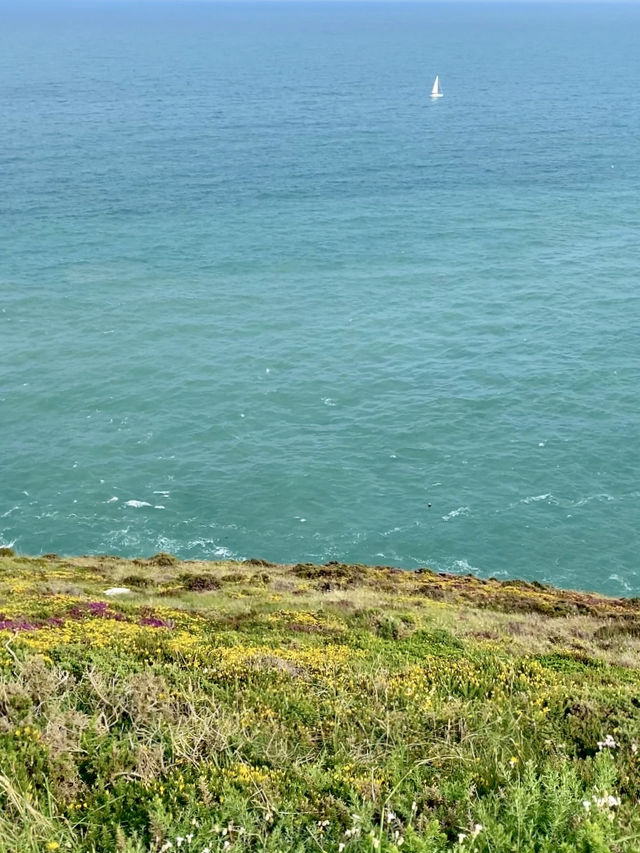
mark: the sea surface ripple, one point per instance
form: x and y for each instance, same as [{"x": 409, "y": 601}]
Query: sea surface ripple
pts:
[{"x": 259, "y": 296}]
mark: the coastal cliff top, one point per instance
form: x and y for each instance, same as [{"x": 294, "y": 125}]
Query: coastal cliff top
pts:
[{"x": 153, "y": 704}]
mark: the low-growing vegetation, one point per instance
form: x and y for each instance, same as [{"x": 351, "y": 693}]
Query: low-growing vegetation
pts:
[{"x": 159, "y": 705}]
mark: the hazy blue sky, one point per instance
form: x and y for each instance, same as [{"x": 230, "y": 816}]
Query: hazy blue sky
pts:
[{"x": 50, "y": 3}]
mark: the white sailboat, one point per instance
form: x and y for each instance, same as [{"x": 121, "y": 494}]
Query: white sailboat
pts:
[{"x": 436, "y": 91}]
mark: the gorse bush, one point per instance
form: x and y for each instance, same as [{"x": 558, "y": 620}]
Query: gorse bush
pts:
[{"x": 328, "y": 708}]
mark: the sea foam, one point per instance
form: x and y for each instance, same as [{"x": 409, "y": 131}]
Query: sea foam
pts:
[{"x": 462, "y": 510}]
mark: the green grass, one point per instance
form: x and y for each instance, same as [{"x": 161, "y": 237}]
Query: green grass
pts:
[{"x": 253, "y": 707}]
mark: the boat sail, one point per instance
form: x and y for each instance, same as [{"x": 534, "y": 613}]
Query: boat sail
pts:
[{"x": 436, "y": 92}]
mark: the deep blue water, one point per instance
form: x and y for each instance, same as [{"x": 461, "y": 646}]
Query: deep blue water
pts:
[{"x": 260, "y": 296}]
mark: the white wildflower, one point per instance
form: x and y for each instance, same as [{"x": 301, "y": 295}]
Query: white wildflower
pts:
[
  {"x": 414, "y": 807},
  {"x": 390, "y": 816},
  {"x": 608, "y": 801},
  {"x": 586, "y": 804},
  {"x": 607, "y": 743},
  {"x": 477, "y": 829},
  {"x": 179, "y": 840},
  {"x": 341, "y": 846},
  {"x": 189, "y": 838},
  {"x": 461, "y": 837}
]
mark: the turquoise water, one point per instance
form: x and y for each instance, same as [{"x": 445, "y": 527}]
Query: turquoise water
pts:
[{"x": 259, "y": 296}]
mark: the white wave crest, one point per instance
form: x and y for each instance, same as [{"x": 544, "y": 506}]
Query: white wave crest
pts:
[
  {"x": 621, "y": 581},
  {"x": 465, "y": 566},
  {"x": 462, "y": 510},
  {"x": 603, "y": 496},
  {"x": 136, "y": 504}
]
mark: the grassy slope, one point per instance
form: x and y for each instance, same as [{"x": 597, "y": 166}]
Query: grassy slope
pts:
[{"x": 246, "y": 706}]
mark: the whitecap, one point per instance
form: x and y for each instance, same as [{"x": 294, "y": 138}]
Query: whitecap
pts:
[
  {"x": 328, "y": 401},
  {"x": 137, "y": 504},
  {"x": 112, "y": 500},
  {"x": 621, "y": 581},
  {"x": 462, "y": 510},
  {"x": 215, "y": 551},
  {"x": 532, "y": 499},
  {"x": 221, "y": 551},
  {"x": 159, "y": 506},
  {"x": 465, "y": 566},
  {"x": 603, "y": 496},
  {"x": 165, "y": 494},
  {"x": 9, "y": 511}
]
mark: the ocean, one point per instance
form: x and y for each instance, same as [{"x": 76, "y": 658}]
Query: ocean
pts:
[{"x": 261, "y": 296}]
